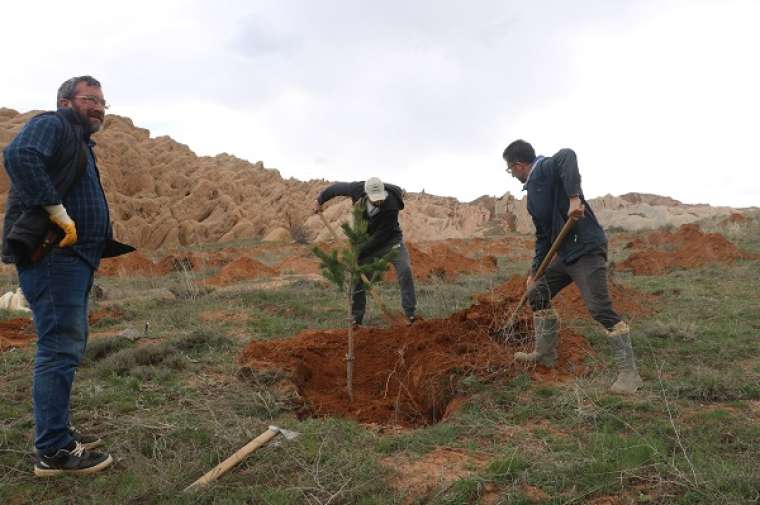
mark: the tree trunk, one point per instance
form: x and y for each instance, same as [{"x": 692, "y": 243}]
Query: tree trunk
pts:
[{"x": 350, "y": 354}]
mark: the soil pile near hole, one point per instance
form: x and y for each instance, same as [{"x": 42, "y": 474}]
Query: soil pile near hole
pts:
[
  {"x": 241, "y": 269},
  {"x": 688, "y": 247},
  {"x": 443, "y": 262},
  {"x": 405, "y": 375},
  {"x": 17, "y": 332}
]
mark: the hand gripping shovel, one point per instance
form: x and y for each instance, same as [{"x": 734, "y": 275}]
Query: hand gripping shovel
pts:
[
  {"x": 239, "y": 456},
  {"x": 507, "y": 328},
  {"x": 393, "y": 317}
]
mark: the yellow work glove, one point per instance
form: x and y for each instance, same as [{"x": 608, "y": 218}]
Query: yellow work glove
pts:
[{"x": 60, "y": 217}]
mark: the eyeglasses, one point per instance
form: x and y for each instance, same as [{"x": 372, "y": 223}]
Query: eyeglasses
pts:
[
  {"x": 93, "y": 100},
  {"x": 511, "y": 166}
]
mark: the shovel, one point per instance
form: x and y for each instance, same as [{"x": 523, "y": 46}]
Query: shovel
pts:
[
  {"x": 239, "y": 456},
  {"x": 541, "y": 269},
  {"x": 393, "y": 317}
]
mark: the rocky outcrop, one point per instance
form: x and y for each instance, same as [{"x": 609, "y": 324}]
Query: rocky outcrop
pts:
[{"x": 163, "y": 195}]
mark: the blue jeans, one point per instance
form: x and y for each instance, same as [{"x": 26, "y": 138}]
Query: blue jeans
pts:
[{"x": 57, "y": 289}]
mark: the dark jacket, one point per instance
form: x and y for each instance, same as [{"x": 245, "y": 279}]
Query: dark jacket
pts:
[
  {"x": 549, "y": 186},
  {"x": 383, "y": 227},
  {"x": 26, "y": 222}
]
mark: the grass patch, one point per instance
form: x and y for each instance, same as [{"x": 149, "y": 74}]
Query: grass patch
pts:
[{"x": 172, "y": 406}]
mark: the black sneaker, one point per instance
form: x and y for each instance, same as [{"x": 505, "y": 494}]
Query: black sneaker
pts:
[
  {"x": 73, "y": 461},
  {"x": 88, "y": 441},
  {"x": 411, "y": 320}
]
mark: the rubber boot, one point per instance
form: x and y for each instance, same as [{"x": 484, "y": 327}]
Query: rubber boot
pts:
[
  {"x": 628, "y": 379},
  {"x": 546, "y": 325}
]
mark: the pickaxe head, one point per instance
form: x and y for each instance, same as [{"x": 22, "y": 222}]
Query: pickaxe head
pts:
[{"x": 289, "y": 435}]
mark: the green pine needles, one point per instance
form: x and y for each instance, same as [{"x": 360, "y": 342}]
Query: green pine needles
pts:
[{"x": 342, "y": 268}]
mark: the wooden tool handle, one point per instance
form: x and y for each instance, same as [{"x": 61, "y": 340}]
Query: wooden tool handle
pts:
[
  {"x": 542, "y": 267},
  {"x": 555, "y": 246},
  {"x": 233, "y": 460}
]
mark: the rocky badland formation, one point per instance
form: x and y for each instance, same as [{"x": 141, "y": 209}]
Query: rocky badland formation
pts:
[{"x": 162, "y": 196}]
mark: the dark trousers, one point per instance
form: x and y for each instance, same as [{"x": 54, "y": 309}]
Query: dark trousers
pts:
[
  {"x": 57, "y": 289},
  {"x": 403, "y": 267},
  {"x": 589, "y": 273}
]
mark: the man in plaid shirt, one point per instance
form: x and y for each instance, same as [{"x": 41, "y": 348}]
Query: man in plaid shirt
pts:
[{"x": 58, "y": 285}]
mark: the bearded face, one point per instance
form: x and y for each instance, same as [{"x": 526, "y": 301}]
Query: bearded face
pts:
[{"x": 89, "y": 105}]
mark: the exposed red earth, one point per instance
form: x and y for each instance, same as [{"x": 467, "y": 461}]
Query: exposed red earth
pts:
[
  {"x": 445, "y": 260},
  {"x": 410, "y": 375},
  {"x": 17, "y": 332},
  {"x": 241, "y": 269},
  {"x": 660, "y": 252}
]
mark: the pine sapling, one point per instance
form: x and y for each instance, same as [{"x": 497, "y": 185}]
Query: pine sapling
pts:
[{"x": 342, "y": 268}]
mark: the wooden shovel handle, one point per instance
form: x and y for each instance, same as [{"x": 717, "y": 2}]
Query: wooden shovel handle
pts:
[
  {"x": 233, "y": 460},
  {"x": 544, "y": 264},
  {"x": 555, "y": 246}
]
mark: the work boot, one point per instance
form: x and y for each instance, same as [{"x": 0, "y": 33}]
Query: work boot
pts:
[
  {"x": 628, "y": 379},
  {"x": 546, "y": 325}
]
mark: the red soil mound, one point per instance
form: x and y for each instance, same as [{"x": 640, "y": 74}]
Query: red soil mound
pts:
[
  {"x": 405, "y": 375},
  {"x": 17, "y": 332},
  {"x": 664, "y": 251},
  {"x": 195, "y": 261},
  {"x": 241, "y": 269},
  {"x": 128, "y": 265},
  {"x": 299, "y": 265},
  {"x": 443, "y": 262},
  {"x": 137, "y": 264}
]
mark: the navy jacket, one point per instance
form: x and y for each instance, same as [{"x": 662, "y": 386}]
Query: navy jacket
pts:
[
  {"x": 549, "y": 186},
  {"x": 49, "y": 153},
  {"x": 383, "y": 228}
]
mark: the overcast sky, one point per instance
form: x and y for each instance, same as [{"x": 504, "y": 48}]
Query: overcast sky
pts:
[{"x": 654, "y": 96}]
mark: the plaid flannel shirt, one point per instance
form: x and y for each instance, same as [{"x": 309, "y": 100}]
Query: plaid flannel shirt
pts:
[{"x": 26, "y": 158}]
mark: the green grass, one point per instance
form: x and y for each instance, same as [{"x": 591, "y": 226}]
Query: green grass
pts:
[{"x": 173, "y": 405}]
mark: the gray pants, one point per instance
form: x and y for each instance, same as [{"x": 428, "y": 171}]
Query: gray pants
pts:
[
  {"x": 589, "y": 273},
  {"x": 405, "y": 282}
]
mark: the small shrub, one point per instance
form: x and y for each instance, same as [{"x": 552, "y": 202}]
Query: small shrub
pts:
[
  {"x": 297, "y": 230},
  {"x": 200, "y": 340},
  {"x": 671, "y": 330},
  {"x": 507, "y": 469},
  {"x": 102, "y": 347},
  {"x": 126, "y": 360},
  {"x": 715, "y": 386}
]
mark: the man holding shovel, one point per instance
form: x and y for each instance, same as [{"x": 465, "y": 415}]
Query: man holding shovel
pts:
[
  {"x": 554, "y": 197},
  {"x": 381, "y": 204}
]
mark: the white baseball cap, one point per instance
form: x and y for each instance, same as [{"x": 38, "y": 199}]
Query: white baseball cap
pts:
[{"x": 375, "y": 189}]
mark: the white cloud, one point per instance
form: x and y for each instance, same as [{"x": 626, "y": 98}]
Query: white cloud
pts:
[{"x": 654, "y": 96}]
